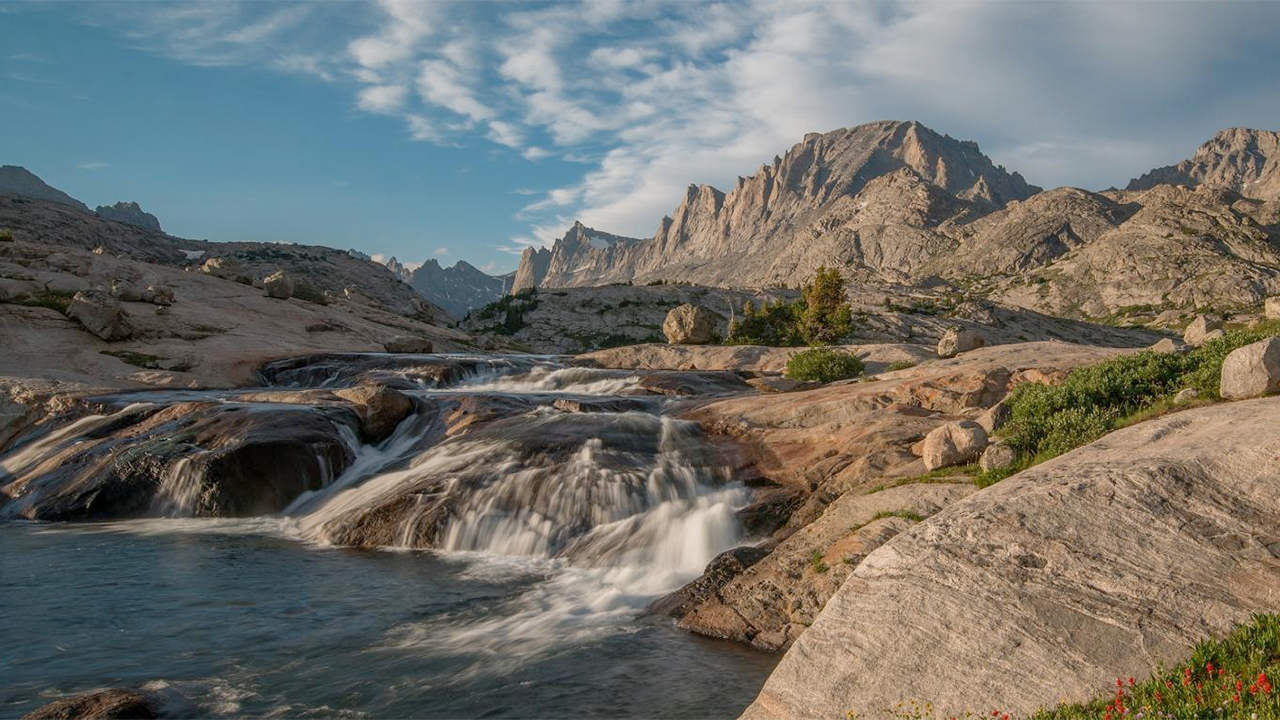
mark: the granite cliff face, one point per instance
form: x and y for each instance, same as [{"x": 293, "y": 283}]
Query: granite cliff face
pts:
[
  {"x": 1246, "y": 161},
  {"x": 131, "y": 213}
]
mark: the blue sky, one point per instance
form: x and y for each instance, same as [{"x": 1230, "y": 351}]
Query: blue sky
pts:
[{"x": 471, "y": 130}]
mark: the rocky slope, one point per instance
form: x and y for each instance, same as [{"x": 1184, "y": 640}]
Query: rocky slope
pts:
[
  {"x": 1095, "y": 565},
  {"x": 457, "y": 289},
  {"x": 16, "y": 180},
  {"x": 131, "y": 213},
  {"x": 895, "y": 203},
  {"x": 1239, "y": 159}
]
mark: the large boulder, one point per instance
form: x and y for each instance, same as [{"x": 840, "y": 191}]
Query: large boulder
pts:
[
  {"x": 113, "y": 704},
  {"x": 958, "y": 340},
  {"x": 955, "y": 443},
  {"x": 1271, "y": 308},
  {"x": 996, "y": 456},
  {"x": 689, "y": 325},
  {"x": 1251, "y": 371},
  {"x": 1169, "y": 345},
  {"x": 408, "y": 344},
  {"x": 225, "y": 268},
  {"x": 100, "y": 314},
  {"x": 1202, "y": 329},
  {"x": 381, "y": 409},
  {"x": 277, "y": 285}
]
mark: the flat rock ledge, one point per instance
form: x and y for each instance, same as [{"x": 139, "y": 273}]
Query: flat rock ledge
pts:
[{"x": 1052, "y": 583}]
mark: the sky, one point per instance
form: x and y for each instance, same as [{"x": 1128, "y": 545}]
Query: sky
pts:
[{"x": 471, "y": 130}]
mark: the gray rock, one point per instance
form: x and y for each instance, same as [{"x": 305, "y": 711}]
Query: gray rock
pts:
[
  {"x": 689, "y": 324},
  {"x": 277, "y": 285},
  {"x": 958, "y": 340},
  {"x": 1251, "y": 371},
  {"x": 225, "y": 268},
  {"x": 126, "y": 291},
  {"x": 158, "y": 294},
  {"x": 408, "y": 344},
  {"x": 955, "y": 443},
  {"x": 1197, "y": 332},
  {"x": 996, "y": 456},
  {"x": 1271, "y": 308},
  {"x": 113, "y": 704},
  {"x": 100, "y": 314}
]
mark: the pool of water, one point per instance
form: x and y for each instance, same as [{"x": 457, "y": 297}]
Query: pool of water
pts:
[{"x": 231, "y": 618}]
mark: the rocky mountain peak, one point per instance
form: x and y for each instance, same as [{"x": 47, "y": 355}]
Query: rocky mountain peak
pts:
[
  {"x": 17, "y": 180},
  {"x": 532, "y": 268},
  {"x": 1240, "y": 159},
  {"x": 131, "y": 213}
]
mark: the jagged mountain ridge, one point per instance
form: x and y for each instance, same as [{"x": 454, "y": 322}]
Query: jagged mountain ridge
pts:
[
  {"x": 457, "y": 289},
  {"x": 131, "y": 213},
  {"x": 760, "y": 232},
  {"x": 883, "y": 203}
]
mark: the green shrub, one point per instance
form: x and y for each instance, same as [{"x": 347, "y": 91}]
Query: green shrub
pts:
[
  {"x": 509, "y": 311},
  {"x": 774, "y": 324},
  {"x": 900, "y": 365},
  {"x": 51, "y": 299},
  {"x": 6, "y": 235},
  {"x": 1207, "y": 373},
  {"x": 823, "y": 365}
]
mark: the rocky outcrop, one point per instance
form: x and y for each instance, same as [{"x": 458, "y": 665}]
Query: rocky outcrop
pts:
[
  {"x": 1251, "y": 371},
  {"x": 16, "y": 180},
  {"x": 130, "y": 213},
  {"x": 113, "y": 704},
  {"x": 381, "y": 408},
  {"x": 1057, "y": 580},
  {"x": 1201, "y": 330},
  {"x": 100, "y": 314},
  {"x": 1240, "y": 159},
  {"x": 534, "y": 263},
  {"x": 277, "y": 285},
  {"x": 689, "y": 325}
]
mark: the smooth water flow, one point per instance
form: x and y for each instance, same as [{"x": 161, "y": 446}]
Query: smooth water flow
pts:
[{"x": 537, "y": 541}]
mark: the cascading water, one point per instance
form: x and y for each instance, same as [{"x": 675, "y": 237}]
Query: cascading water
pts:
[{"x": 581, "y": 518}]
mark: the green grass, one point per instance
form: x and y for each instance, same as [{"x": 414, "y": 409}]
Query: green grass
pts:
[
  {"x": 6, "y": 235},
  {"x": 53, "y": 300},
  {"x": 137, "y": 359},
  {"x": 823, "y": 365},
  {"x": 944, "y": 475},
  {"x": 900, "y": 365},
  {"x": 816, "y": 563}
]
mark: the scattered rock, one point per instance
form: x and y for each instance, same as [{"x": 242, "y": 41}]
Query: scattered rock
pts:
[
  {"x": 125, "y": 291},
  {"x": 1168, "y": 345},
  {"x": 997, "y": 455},
  {"x": 723, "y": 568},
  {"x": 277, "y": 285},
  {"x": 609, "y": 405},
  {"x": 408, "y": 344},
  {"x": 955, "y": 443},
  {"x": 158, "y": 294},
  {"x": 1198, "y": 332},
  {"x": 162, "y": 310},
  {"x": 113, "y": 704},
  {"x": 381, "y": 409},
  {"x": 100, "y": 314},
  {"x": 689, "y": 324},
  {"x": 1251, "y": 371},
  {"x": 993, "y": 417},
  {"x": 958, "y": 340},
  {"x": 225, "y": 268},
  {"x": 1185, "y": 395},
  {"x": 1271, "y": 308}
]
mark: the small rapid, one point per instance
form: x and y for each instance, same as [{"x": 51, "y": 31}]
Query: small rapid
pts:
[{"x": 584, "y": 518}]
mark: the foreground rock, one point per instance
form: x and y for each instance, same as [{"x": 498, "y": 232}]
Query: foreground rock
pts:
[
  {"x": 1049, "y": 585},
  {"x": 1251, "y": 371},
  {"x": 689, "y": 325},
  {"x": 381, "y": 408},
  {"x": 114, "y": 704}
]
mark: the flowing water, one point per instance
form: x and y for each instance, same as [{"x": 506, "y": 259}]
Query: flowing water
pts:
[{"x": 549, "y": 533}]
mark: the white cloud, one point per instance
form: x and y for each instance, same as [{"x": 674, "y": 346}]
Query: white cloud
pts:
[
  {"x": 93, "y": 165},
  {"x": 386, "y": 99},
  {"x": 442, "y": 84},
  {"x": 440, "y": 252}
]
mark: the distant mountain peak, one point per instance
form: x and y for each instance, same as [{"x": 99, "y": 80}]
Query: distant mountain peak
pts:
[
  {"x": 1241, "y": 159},
  {"x": 131, "y": 213},
  {"x": 17, "y": 180}
]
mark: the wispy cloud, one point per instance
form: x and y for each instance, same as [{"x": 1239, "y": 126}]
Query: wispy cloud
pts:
[
  {"x": 652, "y": 96},
  {"x": 440, "y": 252},
  {"x": 93, "y": 165}
]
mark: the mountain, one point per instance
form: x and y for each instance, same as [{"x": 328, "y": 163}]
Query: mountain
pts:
[
  {"x": 19, "y": 181},
  {"x": 398, "y": 269},
  {"x": 1246, "y": 161},
  {"x": 868, "y": 196},
  {"x": 131, "y": 213},
  {"x": 532, "y": 270},
  {"x": 457, "y": 289}
]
